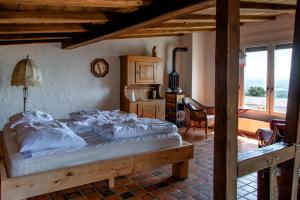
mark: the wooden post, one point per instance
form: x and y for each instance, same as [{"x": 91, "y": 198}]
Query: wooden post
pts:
[
  {"x": 226, "y": 98},
  {"x": 180, "y": 170},
  {"x": 289, "y": 170}
]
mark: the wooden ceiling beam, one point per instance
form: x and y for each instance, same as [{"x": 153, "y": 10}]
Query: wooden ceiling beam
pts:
[
  {"x": 38, "y": 36},
  {"x": 168, "y": 31},
  {"x": 190, "y": 18},
  {"x": 81, "y": 3},
  {"x": 156, "y": 12},
  {"x": 266, "y": 6},
  {"x": 29, "y": 42},
  {"x": 181, "y": 25},
  {"x": 149, "y": 35},
  {"x": 41, "y": 28},
  {"x": 54, "y": 17}
]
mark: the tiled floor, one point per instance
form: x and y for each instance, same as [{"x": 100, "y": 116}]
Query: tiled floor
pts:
[{"x": 158, "y": 184}]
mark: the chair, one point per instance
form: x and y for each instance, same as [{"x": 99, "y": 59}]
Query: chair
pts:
[
  {"x": 270, "y": 136},
  {"x": 198, "y": 114}
]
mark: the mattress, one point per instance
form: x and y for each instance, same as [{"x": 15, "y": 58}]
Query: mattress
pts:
[{"x": 98, "y": 148}]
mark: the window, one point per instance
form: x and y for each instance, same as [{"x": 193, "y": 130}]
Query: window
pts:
[
  {"x": 282, "y": 68},
  {"x": 255, "y": 78},
  {"x": 265, "y": 78}
]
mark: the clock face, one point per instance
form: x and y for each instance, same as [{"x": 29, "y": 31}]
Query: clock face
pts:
[{"x": 99, "y": 67}]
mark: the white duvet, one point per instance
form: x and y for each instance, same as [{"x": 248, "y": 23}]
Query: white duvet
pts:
[
  {"x": 29, "y": 116},
  {"x": 36, "y": 137},
  {"x": 133, "y": 128},
  {"x": 90, "y": 117},
  {"x": 119, "y": 125}
]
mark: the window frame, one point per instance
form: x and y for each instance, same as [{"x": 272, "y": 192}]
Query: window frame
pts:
[{"x": 270, "y": 94}]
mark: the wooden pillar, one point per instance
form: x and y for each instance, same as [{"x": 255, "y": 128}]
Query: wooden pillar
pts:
[
  {"x": 263, "y": 184},
  {"x": 226, "y": 98},
  {"x": 180, "y": 170},
  {"x": 289, "y": 170}
]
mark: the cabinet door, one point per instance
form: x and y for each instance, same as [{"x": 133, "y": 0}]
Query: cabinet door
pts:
[
  {"x": 152, "y": 109},
  {"x": 147, "y": 109},
  {"x": 160, "y": 108},
  {"x": 145, "y": 72}
]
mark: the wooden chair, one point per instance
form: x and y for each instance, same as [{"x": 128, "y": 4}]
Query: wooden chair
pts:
[{"x": 198, "y": 114}]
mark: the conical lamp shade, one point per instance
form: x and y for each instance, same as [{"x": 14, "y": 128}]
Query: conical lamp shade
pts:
[{"x": 26, "y": 73}]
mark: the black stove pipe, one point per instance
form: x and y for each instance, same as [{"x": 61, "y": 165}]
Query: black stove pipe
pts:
[
  {"x": 175, "y": 50},
  {"x": 174, "y": 76}
]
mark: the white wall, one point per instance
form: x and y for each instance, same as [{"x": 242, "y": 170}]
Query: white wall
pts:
[
  {"x": 67, "y": 83},
  {"x": 279, "y": 30}
]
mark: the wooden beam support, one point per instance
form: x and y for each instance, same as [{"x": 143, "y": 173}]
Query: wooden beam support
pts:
[
  {"x": 42, "y": 28},
  {"x": 289, "y": 170},
  {"x": 266, "y": 6},
  {"x": 81, "y": 3},
  {"x": 263, "y": 158},
  {"x": 54, "y": 17},
  {"x": 226, "y": 98},
  {"x": 190, "y": 18},
  {"x": 156, "y": 12}
]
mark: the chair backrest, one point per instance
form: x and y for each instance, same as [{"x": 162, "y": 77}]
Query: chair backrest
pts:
[{"x": 194, "y": 109}]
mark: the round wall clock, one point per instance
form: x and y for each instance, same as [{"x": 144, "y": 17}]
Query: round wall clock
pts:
[{"x": 99, "y": 67}]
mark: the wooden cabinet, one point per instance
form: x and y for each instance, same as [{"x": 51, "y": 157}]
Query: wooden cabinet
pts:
[
  {"x": 142, "y": 75},
  {"x": 142, "y": 70},
  {"x": 151, "y": 109},
  {"x": 175, "y": 108}
]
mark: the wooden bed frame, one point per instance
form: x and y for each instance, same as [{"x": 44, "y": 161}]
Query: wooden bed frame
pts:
[{"x": 41, "y": 183}]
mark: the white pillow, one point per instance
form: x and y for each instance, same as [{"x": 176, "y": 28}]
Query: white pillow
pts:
[
  {"x": 35, "y": 137},
  {"x": 29, "y": 116}
]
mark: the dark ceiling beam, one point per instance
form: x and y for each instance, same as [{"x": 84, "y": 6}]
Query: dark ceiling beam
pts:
[
  {"x": 156, "y": 12},
  {"x": 81, "y": 3},
  {"x": 266, "y": 6},
  {"x": 54, "y": 17}
]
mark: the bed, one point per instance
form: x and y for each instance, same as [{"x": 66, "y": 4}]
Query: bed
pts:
[{"x": 101, "y": 159}]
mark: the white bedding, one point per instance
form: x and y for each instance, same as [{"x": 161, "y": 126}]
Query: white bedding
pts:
[
  {"x": 36, "y": 137},
  {"x": 29, "y": 116},
  {"x": 133, "y": 128},
  {"x": 98, "y": 148},
  {"x": 89, "y": 117}
]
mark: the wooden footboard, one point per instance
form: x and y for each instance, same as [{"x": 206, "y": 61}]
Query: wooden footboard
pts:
[{"x": 50, "y": 181}]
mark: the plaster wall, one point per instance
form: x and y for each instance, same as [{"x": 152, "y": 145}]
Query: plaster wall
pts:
[{"x": 67, "y": 82}]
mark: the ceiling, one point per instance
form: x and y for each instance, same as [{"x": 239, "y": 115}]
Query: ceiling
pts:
[{"x": 40, "y": 21}]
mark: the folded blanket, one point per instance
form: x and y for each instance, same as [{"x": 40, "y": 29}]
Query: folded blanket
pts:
[
  {"x": 34, "y": 137},
  {"x": 133, "y": 128},
  {"x": 29, "y": 116},
  {"x": 90, "y": 117}
]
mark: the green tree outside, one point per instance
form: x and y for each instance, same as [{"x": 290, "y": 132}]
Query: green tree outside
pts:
[{"x": 256, "y": 91}]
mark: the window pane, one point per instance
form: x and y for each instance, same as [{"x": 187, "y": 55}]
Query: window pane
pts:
[
  {"x": 282, "y": 69},
  {"x": 255, "y": 79}
]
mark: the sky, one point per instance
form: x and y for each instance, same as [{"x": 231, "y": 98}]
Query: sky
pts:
[{"x": 256, "y": 64}]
